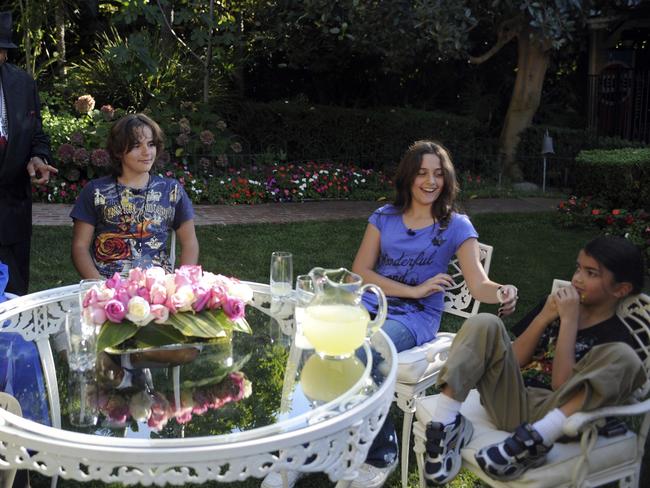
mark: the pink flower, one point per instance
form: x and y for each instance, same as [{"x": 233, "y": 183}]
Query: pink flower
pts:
[
  {"x": 203, "y": 296},
  {"x": 115, "y": 310},
  {"x": 217, "y": 297},
  {"x": 98, "y": 314},
  {"x": 84, "y": 104},
  {"x": 160, "y": 313},
  {"x": 234, "y": 308},
  {"x": 183, "y": 298},
  {"x": 194, "y": 271},
  {"x": 144, "y": 293},
  {"x": 155, "y": 274},
  {"x": 122, "y": 295},
  {"x": 80, "y": 156},
  {"x": 65, "y": 152},
  {"x": 100, "y": 158},
  {"x": 108, "y": 112},
  {"x": 158, "y": 294},
  {"x": 90, "y": 297},
  {"x": 136, "y": 275},
  {"x": 115, "y": 282}
]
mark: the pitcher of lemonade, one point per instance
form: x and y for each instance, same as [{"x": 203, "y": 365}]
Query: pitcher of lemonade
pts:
[{"x": 335, "y": 321}]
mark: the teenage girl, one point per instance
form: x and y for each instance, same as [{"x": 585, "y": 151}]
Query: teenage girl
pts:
[{"x": 122, "y": 221}]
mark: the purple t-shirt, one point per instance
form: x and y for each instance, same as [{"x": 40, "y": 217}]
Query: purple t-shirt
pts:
[
  {"x": 132, "y": 225},
  {"x": 411, "y": 257}
]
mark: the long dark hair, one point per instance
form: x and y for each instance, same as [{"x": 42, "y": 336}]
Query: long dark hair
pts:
[
  {"x": 126, "y": 133},
  {"x": 408, "y": 169},
  {"x": 621, "y": 257}
]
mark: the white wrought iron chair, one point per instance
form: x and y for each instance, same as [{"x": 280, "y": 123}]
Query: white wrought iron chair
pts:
[
  {"x": 418, "y": 368},
  {"x": 593, "y": 460}
]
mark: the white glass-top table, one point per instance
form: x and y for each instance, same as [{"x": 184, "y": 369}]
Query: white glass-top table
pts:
[{"x": 243, "y": 409}]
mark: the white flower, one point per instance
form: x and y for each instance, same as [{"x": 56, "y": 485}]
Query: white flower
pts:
[
  {"x": 241, "y": 291},
  {"x": 183, "y": 298},
  {"x": 139, "y": 311}
]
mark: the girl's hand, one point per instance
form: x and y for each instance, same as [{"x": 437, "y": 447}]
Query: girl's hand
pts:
[
  {"x": 567, "y": 301},
  {"x": 507, "y": 296},
  {"x": 549, "y": 311},
  {"x": 433, "y": 285}
]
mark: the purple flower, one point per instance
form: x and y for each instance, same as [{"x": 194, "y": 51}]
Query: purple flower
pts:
[
  {"x": 65, "y": 152},
  {"x": 234, "y": 308},
  {"x": 115, "y": 311},
  {"x": 100, "y": 158},
  {"x": 108, "y": 112},
  {"x": 77, "y": 138},
  {"x": 182, "y": 139},
  {"x": 80, "y": 156}
]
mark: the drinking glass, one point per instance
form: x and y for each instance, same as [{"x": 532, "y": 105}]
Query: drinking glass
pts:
[
  {"x": 303, "y": 295},
  {"x": 81, "y": 342},
  {"x": 281, "y": 274},
  {"x": 82, "y": 398}
]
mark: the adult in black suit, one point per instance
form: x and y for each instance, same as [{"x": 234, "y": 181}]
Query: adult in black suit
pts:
[{"x": 24, "y": 155}]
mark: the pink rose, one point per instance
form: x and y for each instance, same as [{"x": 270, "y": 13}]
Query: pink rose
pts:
[
  {"x": 183, "y": 298},
  {"x": 217, "y": 297},
  {"x": 90, "y": 297},
  {"x": 154, "y": 275},
  {"x": 194, "y": 271},
  {"x": 144, "y": 293},
  {"x": 98, "y": 315},
  {"x": 203, "y": 296},
  {"x": 123, "y": 296},
  {"x": 115, "y": 311},
  {"x": 160, "y": 313},
  {"x": 158, "y": 293},
  {"x": 114, "y": 282},
  {"x": 234, "y": 308},
  {"x": 136, "y": 275}
]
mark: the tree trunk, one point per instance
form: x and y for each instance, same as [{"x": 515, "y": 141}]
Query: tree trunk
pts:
[
  {"x": 532, "y": 61},
  {"x": 59, "y": 20}
]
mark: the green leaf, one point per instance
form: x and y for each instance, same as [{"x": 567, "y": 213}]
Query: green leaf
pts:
[
  {"x": 205, "y": 324},
  {"x": 112, "y": 334},
  {"x": 156, "y": 335}
]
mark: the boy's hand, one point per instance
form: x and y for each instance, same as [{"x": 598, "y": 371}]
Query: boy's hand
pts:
[
  {"x": 567, "y": 301},
  {"x": 549, "y": 311}
]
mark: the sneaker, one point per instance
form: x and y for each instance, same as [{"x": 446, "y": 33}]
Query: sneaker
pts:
[
  {"x": 372, "y": 477},
  {"x": 507, "y": 460},
  {"x": 443, "y": 446},
  {"x": 274, "y": 480}
]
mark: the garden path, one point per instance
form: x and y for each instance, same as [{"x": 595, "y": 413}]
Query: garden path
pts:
[{"x": 58, "y": 214}]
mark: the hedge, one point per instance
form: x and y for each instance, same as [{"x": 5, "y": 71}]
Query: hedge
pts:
[
  {"x": 620, "y": 177},
  {"x": 374, "y": 138}
]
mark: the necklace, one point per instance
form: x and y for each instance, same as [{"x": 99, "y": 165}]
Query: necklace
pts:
[{"x": 140, "y": 261}]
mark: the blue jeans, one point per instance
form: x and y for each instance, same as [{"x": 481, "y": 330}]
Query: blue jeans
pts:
[{"x": 383, "y": 451}]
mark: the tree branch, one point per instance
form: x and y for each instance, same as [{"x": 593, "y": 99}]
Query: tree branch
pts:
[
  {"x": 508, "y": 30},
  {"x": 181, "y": 41}
]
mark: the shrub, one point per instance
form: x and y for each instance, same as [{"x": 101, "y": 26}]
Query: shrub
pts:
[
  {"x": 370, "y": 137},
  {"x": 587, "y": 211},
  {"x": 621, "y": 177}
]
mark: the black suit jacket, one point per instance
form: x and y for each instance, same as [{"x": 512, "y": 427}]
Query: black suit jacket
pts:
[{"x": 26, "y": 139}]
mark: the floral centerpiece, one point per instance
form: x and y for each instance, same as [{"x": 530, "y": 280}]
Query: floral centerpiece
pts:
[{"x": 151, "y": 308}]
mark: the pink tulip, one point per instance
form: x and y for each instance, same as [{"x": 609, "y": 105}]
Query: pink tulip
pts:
[{"x": 115, "y": 311}]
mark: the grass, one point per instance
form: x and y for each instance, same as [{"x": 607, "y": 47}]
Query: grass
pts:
[{"x": 529, "y": 251}]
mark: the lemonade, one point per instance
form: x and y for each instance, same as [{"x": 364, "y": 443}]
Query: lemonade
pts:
[
  {"x": 325, "y": 379},
  {"x": 335, "y": 330}
]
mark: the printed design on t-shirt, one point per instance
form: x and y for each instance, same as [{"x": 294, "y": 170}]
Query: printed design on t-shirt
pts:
[
  {"x": 134, "y": 227},
  {"x": 539, "y": 372}
]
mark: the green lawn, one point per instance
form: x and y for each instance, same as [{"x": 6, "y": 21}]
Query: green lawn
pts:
[{"x": 529, "y": 251}]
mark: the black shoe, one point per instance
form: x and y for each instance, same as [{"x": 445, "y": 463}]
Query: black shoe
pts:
[
  {"x": 507, "y": 460},
  {"x": 443, "y": 446}
]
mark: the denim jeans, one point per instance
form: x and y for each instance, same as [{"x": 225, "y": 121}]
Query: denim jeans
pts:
[{"x": 383, "y": 451}]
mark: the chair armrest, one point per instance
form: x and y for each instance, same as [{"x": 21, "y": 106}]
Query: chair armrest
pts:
[{"x": 574, "y": 424}]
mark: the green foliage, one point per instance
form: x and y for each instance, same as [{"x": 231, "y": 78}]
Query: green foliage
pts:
[
  {"x": 376, "y": 136},
  {"x": 626, "y": 173},
  {"x": 131, "y": 71}
]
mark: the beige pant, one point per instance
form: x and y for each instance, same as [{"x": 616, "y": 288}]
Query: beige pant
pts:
[{"x": 481, "y": 357}]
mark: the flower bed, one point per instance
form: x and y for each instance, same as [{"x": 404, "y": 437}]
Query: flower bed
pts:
[{"x": 588, "y": 211}]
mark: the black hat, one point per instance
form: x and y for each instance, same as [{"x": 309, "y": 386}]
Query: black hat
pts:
[{"x": 5, "y": 31}]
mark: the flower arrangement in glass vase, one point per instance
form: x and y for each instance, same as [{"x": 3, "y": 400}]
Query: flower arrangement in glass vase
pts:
[{"x": 152, "y": 309}]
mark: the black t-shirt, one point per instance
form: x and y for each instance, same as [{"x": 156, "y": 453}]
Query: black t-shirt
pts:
[{"x": 538, "y": 372}]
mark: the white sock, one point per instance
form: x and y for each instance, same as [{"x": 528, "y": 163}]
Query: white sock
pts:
[
  {"x": 550, "y": 426},
  {"x": 446, "y": 409}
]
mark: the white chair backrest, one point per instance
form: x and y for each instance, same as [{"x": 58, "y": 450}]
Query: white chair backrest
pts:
[
  {"x": 458, "y": 300},
  {"x": 634, "y": 311}
]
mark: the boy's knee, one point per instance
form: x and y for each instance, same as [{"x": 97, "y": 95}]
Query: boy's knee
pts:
[
  {"x": 617, "y": 353},
  {"x": 488, "y": 322}
]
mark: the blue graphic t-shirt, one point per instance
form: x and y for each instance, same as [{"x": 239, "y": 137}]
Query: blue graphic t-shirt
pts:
[
  {"x": 132, "y": 225},
  {"x": 411, "y": 257}
]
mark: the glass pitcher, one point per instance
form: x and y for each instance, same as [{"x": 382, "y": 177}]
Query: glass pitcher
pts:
[{"x": 335, "y": 321}]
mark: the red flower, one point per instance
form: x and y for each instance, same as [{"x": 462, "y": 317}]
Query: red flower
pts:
[
  {"x": 609, "y": 220},
  {"x": 629, "y": 220},
  {"x": 616, "y": 211},
  {"x": 595, "y": 212}
]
